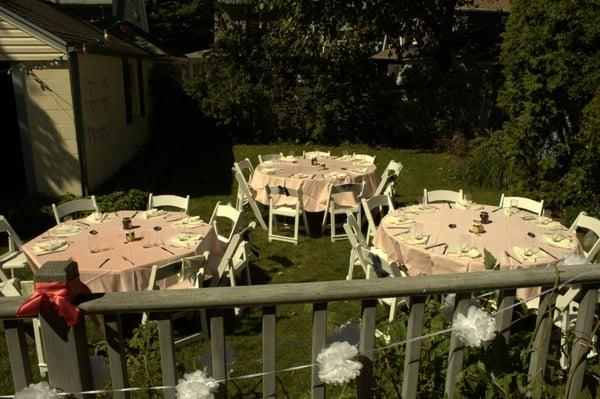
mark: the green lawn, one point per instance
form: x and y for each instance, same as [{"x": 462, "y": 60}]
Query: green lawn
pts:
[{"x": 313, "y": 259}]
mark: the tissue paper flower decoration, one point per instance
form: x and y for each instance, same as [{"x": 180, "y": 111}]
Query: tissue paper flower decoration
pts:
[
  {"x": 196, "y": 385},
  {"x": 572, "y": 259},
  {"x": 41, "y": 390},
  {"x": 336, "y": 365},
  {"x": 478, "y": 326}
]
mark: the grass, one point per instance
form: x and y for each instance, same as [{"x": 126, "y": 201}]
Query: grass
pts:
[{"x": 313, "y": 259}]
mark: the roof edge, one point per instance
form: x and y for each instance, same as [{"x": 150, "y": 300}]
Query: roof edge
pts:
[{"x": 41, "y": 34}]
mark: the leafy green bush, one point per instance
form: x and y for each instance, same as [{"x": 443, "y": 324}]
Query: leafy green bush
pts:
[{"x": 119, "y": 200}]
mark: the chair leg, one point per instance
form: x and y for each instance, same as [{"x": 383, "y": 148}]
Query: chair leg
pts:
[
  {"x": 296, "y": 226},
  {"x": 39, "y": 348},
  {"x": 393, "y": 307},
  {"x": 306, "y": 223},
  {"x": 270, "y": 225},
  {"x": 350, "y": 266},
  {"x": 332, "y": 226}
]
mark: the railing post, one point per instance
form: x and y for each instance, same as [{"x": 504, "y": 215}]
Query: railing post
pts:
[
  {"x": 455, "y": 353},
  {"x": 319, "y": 341},
  {"x": 505, "y": 313},
  {"x": 582, "y": 341},
  {"x": 366, "y": 346},
  {"x": 219, "y": 360},
  {"x": 17, "y": 353},
  {"x": 66, "y": 348},
  {"x": 268, "y": 337},
  {"x": 412, "y": 355},
  {"x": 541, "y": 335},
  {"x": 167, "y": 352},
  {"x": 113, "y": 331}
]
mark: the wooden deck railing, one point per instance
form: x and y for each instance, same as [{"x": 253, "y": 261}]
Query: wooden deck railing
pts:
[{"x": 67, "y": 348}]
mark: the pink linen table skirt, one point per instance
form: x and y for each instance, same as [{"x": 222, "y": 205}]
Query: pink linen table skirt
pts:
[
  {"x": 316, "y": 182},
  {"x": 129, "y": 263},
  {"x": 502, "y": 234}
]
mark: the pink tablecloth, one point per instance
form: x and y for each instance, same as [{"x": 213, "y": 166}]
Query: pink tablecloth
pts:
[
  {"x": 117, "y": 274},
  {"x": 503, "y": 233},
  {"x": 315, "y": 187}
]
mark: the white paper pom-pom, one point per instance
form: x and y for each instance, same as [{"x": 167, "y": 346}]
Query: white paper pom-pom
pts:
[
  {"x": 572, "y": 259},
  {"x": 41, "y": 390},
  {"x": 196, "y": 385},
  {"x": 478, "y": 326},
  {"x": 336, "y": 365}
]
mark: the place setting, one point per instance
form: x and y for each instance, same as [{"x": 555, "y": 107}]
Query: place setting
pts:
[
  {"x": 99, "y": 217},
  {"x": 413, "y": 235},
  {"x": 67, "y": 229},
  {"x": 49, "y": 246},
  {"x": 465, "y": 248}
]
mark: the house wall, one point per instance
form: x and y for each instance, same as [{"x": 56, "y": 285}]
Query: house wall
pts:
[
  {"x": 45, "y": 109},
  {"x": 17, "y": 45},
  {"x": 110, "y": 140}
]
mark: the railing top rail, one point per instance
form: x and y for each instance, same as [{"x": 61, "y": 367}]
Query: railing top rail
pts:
[{"x": 322, "y": 291}]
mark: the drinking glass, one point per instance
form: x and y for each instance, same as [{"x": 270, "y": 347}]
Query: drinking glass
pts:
[
  {"x": 93, "y": 241},
  {"x": 530, "y": 246},
  {"x": 418, "y": 230},
  {"x": 465, "y": 243}
]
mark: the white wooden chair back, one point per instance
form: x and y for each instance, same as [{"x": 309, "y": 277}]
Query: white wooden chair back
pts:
[
  {"x": 287, "y": 211},
  {"x": 356, "y": 190},
  {"x": 159, "y": 273},
  {"x": 77, "y": 205},
  {"x": 169, "y": 200},
  {"x": 226, "y": 212},
  {"x": 591, "y": 224},
  {"x": 394, "y": 166},
  {"x": 365, "y": 157},
  {"x": 380, "y": 202},
  {"x": 316, "y": 154},
  {"x": 245, "y": 168},
  {"x": 523, "y": 203},
  {"x": 13, "y": 258},
  {"x": 386, "y": 185},
  {"x": 442, "y": 196},
  {"x": 269, "y": 157},
  {"x": 352, "y": 228},
  {"x": 377, "y": 267},
  {"x": 14, "y": 242},
  {"x": 248, "y": 197}
]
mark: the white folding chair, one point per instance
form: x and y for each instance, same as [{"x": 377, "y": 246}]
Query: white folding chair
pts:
[
  {"x": 169, "y": 200},
  {"x": 333, "y": 208},
  {"x": 176, "y": 269},
  {"x": 77, "y": 205},
  {"x": 223, "y": 213},
  {"x": 269, "y": 157},
  {"x": 16, "y": 287},
  {"x": 379, "y": 267},
  {"x": 383, "y": 204},
  {"x": 522, "y": 203},
  {"x": 394, "y": 166},
  {"x": 566, "y": 305},
  {"x": 365, "y": 157},
  {"x": 583, "y": 221},
  {"x": 442, "y": 196},
  {"x": 249, "y": 197},
  {"x": 293, "y": 211},
  {"x": 386, "y": 185},
  {"x": 244, "y": 168},
  {"x": 13, "y": 258},
  {"x": 315, "y": 154}
]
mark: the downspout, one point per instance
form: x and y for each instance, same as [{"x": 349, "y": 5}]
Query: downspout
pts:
[{"x": 78, "y": 119}]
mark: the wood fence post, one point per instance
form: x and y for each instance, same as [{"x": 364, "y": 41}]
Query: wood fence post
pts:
[{"x": 65, "y": 348}]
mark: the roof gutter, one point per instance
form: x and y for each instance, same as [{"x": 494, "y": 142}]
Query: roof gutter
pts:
[{"x": 35, "y": 30}]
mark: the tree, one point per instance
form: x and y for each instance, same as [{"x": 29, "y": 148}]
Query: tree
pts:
[{"x": 551, "y": 58}]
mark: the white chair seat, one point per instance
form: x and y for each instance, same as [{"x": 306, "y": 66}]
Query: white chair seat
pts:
[{"x": 13, "y": 260}]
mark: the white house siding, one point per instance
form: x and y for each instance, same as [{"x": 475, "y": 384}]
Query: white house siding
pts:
[
  {"x": 109, "y": 140},
  {"x": 17, "y": 45}
]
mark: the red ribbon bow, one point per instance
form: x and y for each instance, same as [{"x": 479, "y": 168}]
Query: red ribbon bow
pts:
[{"x": 57, "y": 295}]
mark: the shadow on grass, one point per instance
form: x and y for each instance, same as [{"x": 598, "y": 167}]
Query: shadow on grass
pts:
[{"x": 281, "y": 260}]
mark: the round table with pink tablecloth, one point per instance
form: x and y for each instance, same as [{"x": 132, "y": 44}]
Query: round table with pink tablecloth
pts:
[
  {"x": 509, "y": 237},
  {"x": 116, "y": 264},
  {"x": 314, "y": 180}
]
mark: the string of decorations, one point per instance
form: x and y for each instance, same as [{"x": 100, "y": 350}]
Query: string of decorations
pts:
[{"x": 336, "y": 363}]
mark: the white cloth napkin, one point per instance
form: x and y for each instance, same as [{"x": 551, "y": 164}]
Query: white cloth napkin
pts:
[
  {"x": 301, "y": 176},
  {"x": 66, "y": 229},
  {"x": 398, "y": 220},
  {"x": 190, "y": 221},
  {"x": 559, "y": 241},
  {"x": 411, "y": 240},
  {"x": 270, "y": 170},
  {"x": 336, "y": 175},
  {"x": 421, "y": 209},
  {"x": 288, "y": 159},
  {"x": 455, "y": 251},
  {"x": 523, "y": 256},
  {"x": 98, "y": 217},
  {"x": 466, "y": 205},
  {"x": 45, "y": 247},
  {"x": 152, "y": 213},
  {"x": 184, "y": 239}
]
